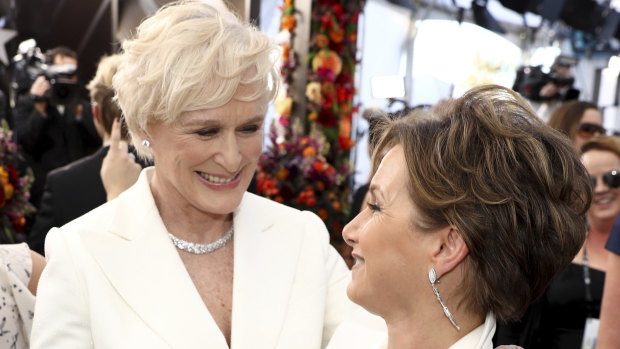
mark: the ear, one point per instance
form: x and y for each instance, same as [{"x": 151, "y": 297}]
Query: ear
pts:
[
  {"x": 450, "y": 253},
  {"x": 96, "y": 116}
]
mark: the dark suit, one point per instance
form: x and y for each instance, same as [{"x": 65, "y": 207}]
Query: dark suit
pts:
[
  {"x": 54, "y": 140},
  {"x": 70, "y": 191}
]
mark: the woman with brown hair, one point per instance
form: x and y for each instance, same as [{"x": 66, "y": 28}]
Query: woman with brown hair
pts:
[
  {"x": 481, "y": 195},
  {"x": 579, "y": 120}
]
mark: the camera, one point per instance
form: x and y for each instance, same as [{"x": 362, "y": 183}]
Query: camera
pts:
[
  {"x": 30, "y": 63},
  {"x": 531, "y": 79}
]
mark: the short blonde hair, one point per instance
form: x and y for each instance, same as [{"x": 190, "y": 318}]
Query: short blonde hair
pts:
[{"x": 191, "y": 56}]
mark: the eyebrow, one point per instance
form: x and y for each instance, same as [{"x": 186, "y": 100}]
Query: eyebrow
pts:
[{"x": 202, "y": 121}]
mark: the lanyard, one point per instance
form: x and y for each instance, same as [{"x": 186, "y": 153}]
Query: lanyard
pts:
[{"x": 587, "y": 281}]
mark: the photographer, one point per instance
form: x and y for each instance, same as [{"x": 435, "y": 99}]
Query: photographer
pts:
[
  {"x": 546, "y": 91},
  {"x": 53, "y": 123}
]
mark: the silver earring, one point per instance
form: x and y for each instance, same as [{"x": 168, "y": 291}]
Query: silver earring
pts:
[
  {"x": 432, "y": 277},
  {"x": 146, "y": 143}
]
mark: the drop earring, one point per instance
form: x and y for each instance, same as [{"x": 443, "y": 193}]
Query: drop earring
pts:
[
  {"x": 146, "y": 143},
  {"x": 432, "y": 277}
]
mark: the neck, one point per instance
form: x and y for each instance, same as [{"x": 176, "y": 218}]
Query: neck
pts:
[{"x": 429, "y": 327}]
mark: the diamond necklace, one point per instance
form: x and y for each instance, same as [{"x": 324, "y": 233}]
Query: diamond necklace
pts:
[{"x": 195, "y": 248}]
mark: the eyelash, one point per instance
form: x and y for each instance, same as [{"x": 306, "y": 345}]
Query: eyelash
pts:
[
  {"x": 212, "y": 132},
  {"x": 374, "y": 207}
]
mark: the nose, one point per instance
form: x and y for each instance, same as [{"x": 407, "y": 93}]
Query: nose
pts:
[
  {"x": 229, "y": 156},
  {"x": 350, "y": 231},
  {"x": 600, "y": 185}
]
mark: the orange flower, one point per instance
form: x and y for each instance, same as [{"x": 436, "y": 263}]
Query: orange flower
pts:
[
  {"x": 8, "y": 191},
  {"x": 318, "y": 166},
  {"x": 313, "y": 116},
  {"x": 285, "y": 52},
  {"x": 327, "y": 59},
  {"x": 328, "y": 88},
  {"x": 322, "y": 213},
  {"x": 336, "y": 205},
  {"x": 345, "y": 127},
  {"x": 322, "y": 41},
  {"x": 4, "y": 175},
  {"x": 336, "y": 35},
  {"x": 320, "y": 185},
  {"x": 283, "y": 173},
  {"x": 288, "y": 3},
  {"x": 287, "y": 22},
  {"x": 309, "y": 152}
]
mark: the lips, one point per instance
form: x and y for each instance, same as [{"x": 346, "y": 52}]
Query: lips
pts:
[{"x": 359, "y": 261}]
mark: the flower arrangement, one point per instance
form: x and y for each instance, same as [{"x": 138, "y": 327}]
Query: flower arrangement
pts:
[
  {"x": 331, "y": 70},
  {"x": 296, "y": 173},
  {"x": 307, "y": 164},
  {"x": 14, "y": 190}
]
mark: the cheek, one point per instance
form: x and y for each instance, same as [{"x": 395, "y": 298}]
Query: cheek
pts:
[{"x": 252, "y": 147}]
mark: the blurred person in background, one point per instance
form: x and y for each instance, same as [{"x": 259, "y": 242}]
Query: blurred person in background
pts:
[
  {"x": 579, "y": 120},
  {"x": 76, "y": 188},
  {"x": 52, "y": 123}
]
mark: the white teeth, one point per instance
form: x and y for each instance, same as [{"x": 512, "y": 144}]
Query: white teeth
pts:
[
  {"x": 604, "y": 201},
  {"x": 215, "y": 179},
  {"x": 358, "y": 261}
]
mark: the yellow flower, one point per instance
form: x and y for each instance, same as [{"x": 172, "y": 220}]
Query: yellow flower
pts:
[
  {"x": 8, "y": 191},
  {"x": 4, "y": 176},
  {"x": 283, "y": 105}
]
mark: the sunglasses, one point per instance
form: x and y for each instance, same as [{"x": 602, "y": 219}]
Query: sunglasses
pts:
[
  {"x": 611, "y": 179},
  {"x": 586, "y": 130}
]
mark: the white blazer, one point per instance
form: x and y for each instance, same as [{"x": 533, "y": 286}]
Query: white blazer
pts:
[{"x": 114, "y": 280}]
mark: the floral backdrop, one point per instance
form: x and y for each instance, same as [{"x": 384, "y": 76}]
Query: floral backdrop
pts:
[
  {"x": 307, "y": 166},
  {"x": 14, "y": 189}
]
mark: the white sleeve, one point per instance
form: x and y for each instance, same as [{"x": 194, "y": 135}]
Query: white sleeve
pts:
[{"x": 61, "y": 317}]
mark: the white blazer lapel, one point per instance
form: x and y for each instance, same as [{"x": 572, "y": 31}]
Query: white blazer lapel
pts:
[
  {"x": 265, "y": 262},
  {"x": 139, "y": 260}
]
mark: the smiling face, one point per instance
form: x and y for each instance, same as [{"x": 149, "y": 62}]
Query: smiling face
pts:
[
  {"x": 205, "y": 160},
  {"x": 391, "y": 256},
  {"x": 605, "y": 206}
]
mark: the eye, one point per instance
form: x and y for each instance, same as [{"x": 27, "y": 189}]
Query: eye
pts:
[
  {"x": 374, "y": 207},
  {"x": 208, "y": 132},
  {"x": 249, "y": 129}
]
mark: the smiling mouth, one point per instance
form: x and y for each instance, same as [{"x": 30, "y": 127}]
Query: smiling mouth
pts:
[
  {"x": 358, "y": 260},
  {"x": 603, "y": 201},
  {"x": 216, "y": 179}
]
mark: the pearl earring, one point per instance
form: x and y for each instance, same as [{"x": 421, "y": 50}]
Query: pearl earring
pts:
[{"x": 146, "y": 143}]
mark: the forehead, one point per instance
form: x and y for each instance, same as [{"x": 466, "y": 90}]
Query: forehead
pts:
[
  {"x": 597, "y": 161},
  {"x": 391, "y": 175},
  {"x": 233, "y": 111}
]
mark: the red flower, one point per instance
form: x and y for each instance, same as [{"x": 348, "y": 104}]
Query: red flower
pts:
[{"x": 13, "y": 176}]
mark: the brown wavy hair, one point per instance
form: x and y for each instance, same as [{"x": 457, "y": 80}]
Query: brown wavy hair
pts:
[
  {"x": 512, "y": 186},
  {"x": 567, "y": 116}
]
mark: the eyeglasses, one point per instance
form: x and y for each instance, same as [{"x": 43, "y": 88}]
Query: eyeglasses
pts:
[
  {"x": 611, "y": 179},
  {"x": 587, "y": 130}
]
